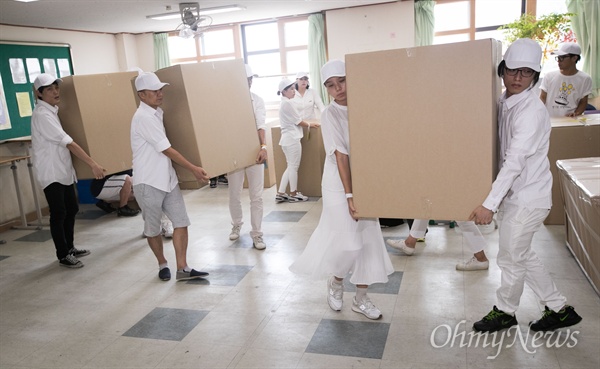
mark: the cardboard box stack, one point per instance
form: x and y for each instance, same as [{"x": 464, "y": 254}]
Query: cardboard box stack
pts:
[
  {"x": 580, "y": 184},
  {"x": 423, "y": 129},
  {"x": 209, "y": 117},
  {"x": 96, "y": 111}
]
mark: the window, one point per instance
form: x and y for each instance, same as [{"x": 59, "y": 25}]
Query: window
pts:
[{"x": 218, "y": 43}]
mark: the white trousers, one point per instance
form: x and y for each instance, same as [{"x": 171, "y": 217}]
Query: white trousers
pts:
[
  {"x": 256, "y": 182},
  {"x": 519, "y": 264},
  {"x": 472, "y": 236},
  {"x": 293, "y": 155},
  {"x": 419, "y": 228}
]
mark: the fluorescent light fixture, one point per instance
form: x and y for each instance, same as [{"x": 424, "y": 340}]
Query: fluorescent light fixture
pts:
[
  {"x": 26, "y": 1},
  {"x": 205, "y": 11}
]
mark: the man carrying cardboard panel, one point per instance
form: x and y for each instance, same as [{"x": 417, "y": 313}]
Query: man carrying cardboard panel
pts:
[{"x": 155, "y": 182}]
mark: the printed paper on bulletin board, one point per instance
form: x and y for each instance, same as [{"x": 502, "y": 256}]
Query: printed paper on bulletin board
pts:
[
  {"x": 4, "y": 116},
  {"x": 24, "y": 103}
]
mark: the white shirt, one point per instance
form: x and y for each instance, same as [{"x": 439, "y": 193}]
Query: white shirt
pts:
[
  {"x": 50, "y": 155},
  {"x": 336, "y": 137},
  {"x": 524, "y": 131},
  {"x": 289, "y": 120},
  {"x": 148, "y": 141},
  {"x": 260, "y": 112},
  {"x": 565, "y": 92},
  {"x": 306, "y": 104}
]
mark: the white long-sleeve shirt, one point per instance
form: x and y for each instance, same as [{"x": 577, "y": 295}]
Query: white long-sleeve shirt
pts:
[
  {"x": 524, "y": 132},
  {"x": 306, "y": 104}
]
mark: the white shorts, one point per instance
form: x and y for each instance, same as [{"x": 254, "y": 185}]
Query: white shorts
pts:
[{"x": 111, "y": 191}]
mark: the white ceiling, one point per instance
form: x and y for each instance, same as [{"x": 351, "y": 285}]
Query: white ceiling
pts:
[{"x": 129, "y": 16}]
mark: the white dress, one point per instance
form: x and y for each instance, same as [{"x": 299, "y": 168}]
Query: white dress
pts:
[{"x": 340, "y": 245}]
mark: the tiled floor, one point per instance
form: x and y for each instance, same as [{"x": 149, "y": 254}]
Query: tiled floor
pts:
[{"x": 251, "y": 312}]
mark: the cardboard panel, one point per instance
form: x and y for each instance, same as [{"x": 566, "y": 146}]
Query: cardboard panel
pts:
[
  {"x": 570, "y": 138},
  {"x": 270, "y": 164},
  {"x": 311, "y": 165},
  {"x": 96, "y": 111},
  {"x": 209, "y": 117},
  {"x": 423, "y": 129}
]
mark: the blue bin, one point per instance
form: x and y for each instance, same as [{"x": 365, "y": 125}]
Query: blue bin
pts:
[{"x": 83, "y": 192}]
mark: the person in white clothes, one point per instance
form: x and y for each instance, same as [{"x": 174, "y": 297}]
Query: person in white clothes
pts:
[
  {"x": 522, "y": 195},
  {"x": 291, "y": 123},
  {"x": 155, "y": 182},
  {"x": 256, "y": 178},
  {"x": 51, "y": 153},
  {"x": 343, "y": 243},
  {"x": 307, "y": 100},
  {"x": 565, "y": 91}
]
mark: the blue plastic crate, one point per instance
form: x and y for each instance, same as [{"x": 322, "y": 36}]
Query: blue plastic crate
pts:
[{"x": 83, "y": 192}]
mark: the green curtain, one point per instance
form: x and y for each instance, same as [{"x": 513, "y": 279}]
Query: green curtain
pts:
[
  {"x": 161, "y": 51},
  {"x": 585, "y": 26},
  {"x": 317, "y": 55},
  {"x": 424, "y": 22}
]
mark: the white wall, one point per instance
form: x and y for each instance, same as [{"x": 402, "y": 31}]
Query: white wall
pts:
[{"x": 370, "y": 28}]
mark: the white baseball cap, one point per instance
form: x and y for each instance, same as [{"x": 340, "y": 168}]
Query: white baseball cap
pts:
[
  {"x": 333, "y": 68},
  {"x": 285, "y": 83},
  {"x": 148, "y": 81},
  {"x": 568, "y": 48},
  {"x": 301, "y": 75},
  {"x": 524, "y": 53},
  {"x": 249, "y": 72},
  {"x": 45, "y": 79}
]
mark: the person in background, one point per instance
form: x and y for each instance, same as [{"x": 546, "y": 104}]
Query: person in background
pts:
[
  {"x": 565, "y": 91},
  {"x": 307, "y": 100},
  {"x": 291, "y": 133},
  {"x": 117, "y": 188},
  {"x": 256, "y": 178},
  {"x": 51, "y": 152},
  {"x": 220, "y": 179},
  {"x": 521, "y": 194},
  {"x": 155, "y": 181},
  {"x": 342, "y": 243}
]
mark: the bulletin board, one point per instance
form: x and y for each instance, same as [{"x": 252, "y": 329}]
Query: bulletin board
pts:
[{"x": 20, "y": 64}]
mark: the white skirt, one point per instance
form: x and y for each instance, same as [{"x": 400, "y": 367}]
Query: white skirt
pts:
[{"x": 340, "y": 245}]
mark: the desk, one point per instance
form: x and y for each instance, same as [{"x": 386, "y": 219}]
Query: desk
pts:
[{"x": 12, "y": 160}]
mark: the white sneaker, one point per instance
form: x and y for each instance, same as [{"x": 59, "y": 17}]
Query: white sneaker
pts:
[
  {"x": 366, "y": 308},
  {"x": 235, "y": 232},
  {"x": 167, "y": 229},
  {"x": 401, "y": 245},
  {"x": 297, "y": 197},
  {"x": 335, "y": 294},
  {"x": 473, "y": 264},
  {"x": 257, "y": 242}
]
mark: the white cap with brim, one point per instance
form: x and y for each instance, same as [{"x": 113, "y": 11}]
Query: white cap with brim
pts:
[
  {"x": 333, "y": 68},
  {"x": 285, "y": 83},
  {"x": 148, "y": 81},
  {"x": 249, "y": 72},
  {"x": 44, "y": 80},
  {"x": 301, "y": 75},
  {"x": 568, "y": 48},
  {"x": 524, "y": 53}
]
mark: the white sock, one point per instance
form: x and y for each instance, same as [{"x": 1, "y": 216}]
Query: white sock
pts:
[
  {"x": 187, "y": 269},
  {"x": 163, "y": 266},
  {"x": 361, "y": 293}
]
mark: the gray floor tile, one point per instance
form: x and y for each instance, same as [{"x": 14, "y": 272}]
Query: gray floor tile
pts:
[
  {"x": 284, "y": 216},
  {"x": 37, "y": 236},
  {"x": 246, "y": 242},
  {"x": 2, "y": 257},
  {"x": 391, "y": 287},
  {"x": 223, "y": 275},
  {"x": 349, "y": 338},
  {"x": 166, "y": 324}
]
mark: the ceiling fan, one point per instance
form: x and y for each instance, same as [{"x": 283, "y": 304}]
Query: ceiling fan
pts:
[{"x": 192, "y": 24}]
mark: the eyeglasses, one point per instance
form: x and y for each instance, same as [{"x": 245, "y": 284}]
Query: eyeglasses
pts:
[
  {"x": 525, "y": 72},
  {"x": 562, "y": 57}
]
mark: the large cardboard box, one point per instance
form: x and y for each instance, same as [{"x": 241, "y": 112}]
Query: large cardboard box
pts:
[
  {"x": 270, "y": 178},
  {"x": 209, "y": 118},
  {"x": 423, "y": 129},
  {"x": 579, "y": 181},
  {"x": 311, "y": 165},
  {"x": 96, "y": 111},
  {"x": 570, "y": 138}
]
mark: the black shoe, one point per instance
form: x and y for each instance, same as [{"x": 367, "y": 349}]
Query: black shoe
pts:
[
  {"x": 213, "y": 183},
  {"x": 105, "y": 206},
  {"x": 79, "y": 253},
  {"x": 70, "y": 261},
  {"x": 126, "y": 211},
  {"x": 192, "y": 274},
  {"x": 164, "y": 274},
  {"x": 552, "y": 320},
  {"x": 495, "y": 321},
  {"x": 222, "y": 180}
]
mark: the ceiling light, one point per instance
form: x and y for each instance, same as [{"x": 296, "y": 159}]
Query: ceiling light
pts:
[
  {"x": 26, "y": 1},
  {"x": 205, "y": 11}
]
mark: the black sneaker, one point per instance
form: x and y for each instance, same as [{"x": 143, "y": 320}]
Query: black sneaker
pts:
[
  {"x": 192, "y": 274},
  {"x": 105, "y": 206},
  {"x": 222, "y": 180},
  {"x": 552, "y": 320},
  {"x": 284, "y": 197},
  {"x": 164, "y": 274},
  {"x": 70, "y": 261},
  {"x": 495, "y": 321},
  {"x": 126, "y": 211},
  {"x": 79, "y": 253},
  {"x": 213, "y": 183}
]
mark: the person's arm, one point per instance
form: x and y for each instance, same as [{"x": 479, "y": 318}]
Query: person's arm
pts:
[
  {"x": 261, "y": 157},
  {"x": 580, "y": 107},
  {"x": 343, "y": 164},
  {"x": 543, "y": 95},
  {"x": 76, "y": 150},
  {"x": 197, "y": 171}
]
